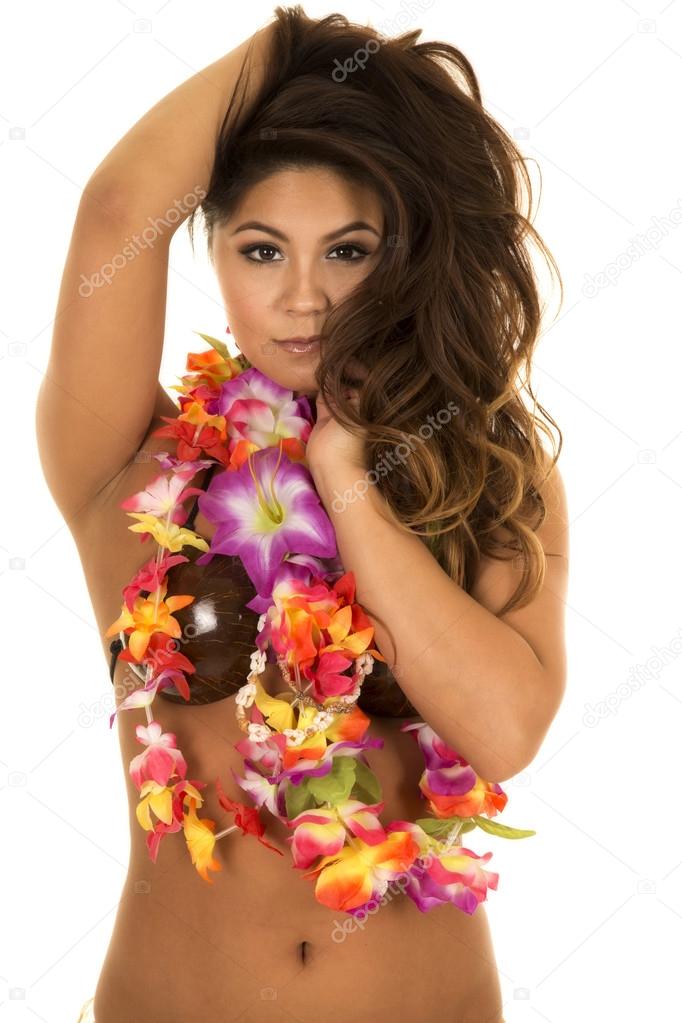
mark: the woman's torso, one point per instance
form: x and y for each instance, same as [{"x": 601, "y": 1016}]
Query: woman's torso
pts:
[{"x": 255, "y": 945}]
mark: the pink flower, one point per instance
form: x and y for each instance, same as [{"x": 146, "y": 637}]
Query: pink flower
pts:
[
  {"x": 328, "y": 678},
  {"x": 457, "y": 877},
  {"x": 160, "y": 761}
]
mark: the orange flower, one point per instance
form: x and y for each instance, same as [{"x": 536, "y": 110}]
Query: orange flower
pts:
[
  {"x": 146, "y": 618},
  {"x": 484, "y": 798}
]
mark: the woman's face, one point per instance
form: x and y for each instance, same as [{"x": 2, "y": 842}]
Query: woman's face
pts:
[{"x": 280, "y": 279}]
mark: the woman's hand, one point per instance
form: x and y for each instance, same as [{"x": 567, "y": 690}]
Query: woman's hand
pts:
[{"x": 330, "y": 445}]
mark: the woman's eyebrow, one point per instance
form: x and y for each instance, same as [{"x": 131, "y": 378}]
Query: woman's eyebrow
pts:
[{"x": 355, "y": 225}]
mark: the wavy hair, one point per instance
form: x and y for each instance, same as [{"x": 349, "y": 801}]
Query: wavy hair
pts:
[{"x": 448, "y": 320}]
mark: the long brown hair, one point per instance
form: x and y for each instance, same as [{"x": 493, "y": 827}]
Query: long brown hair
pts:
[{"x": 447, "y": 321}]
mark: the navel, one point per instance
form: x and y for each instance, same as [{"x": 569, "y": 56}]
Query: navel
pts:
[{"x": 304, "y": 951}]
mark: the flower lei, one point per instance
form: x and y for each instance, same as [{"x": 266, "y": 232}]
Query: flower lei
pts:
[{"x": 303, "y": 750}]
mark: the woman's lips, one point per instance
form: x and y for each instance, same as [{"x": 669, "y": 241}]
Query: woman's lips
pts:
[{"x": 299, "y": 347}]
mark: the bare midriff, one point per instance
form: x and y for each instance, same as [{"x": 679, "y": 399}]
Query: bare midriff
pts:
[{"x": 254, "y": 945}]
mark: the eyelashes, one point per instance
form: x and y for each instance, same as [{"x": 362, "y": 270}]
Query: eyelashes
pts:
[{"x": 266, "y": 245}]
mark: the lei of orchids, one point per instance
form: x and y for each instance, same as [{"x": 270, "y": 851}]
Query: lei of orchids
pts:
[{"x": 303, "y": 750}]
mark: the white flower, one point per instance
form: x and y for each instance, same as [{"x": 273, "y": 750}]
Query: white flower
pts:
[
  {"x": 295, "y": 735},
  {"x": 259, "y": 732},
  {"x": 323, "y": 719},
  {"x": 258, "y": 661},
  {"x": 261, "y": 622},
  {"x": 365, "y": 663},
  {"x": 246, "y": 695}
]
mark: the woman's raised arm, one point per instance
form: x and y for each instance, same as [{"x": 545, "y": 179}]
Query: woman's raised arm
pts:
[{"x": 101, "y": 389}]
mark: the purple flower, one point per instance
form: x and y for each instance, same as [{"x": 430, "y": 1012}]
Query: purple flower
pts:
[{"x": 263, "y": 511}]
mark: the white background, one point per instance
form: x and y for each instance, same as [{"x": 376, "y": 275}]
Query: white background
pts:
[{"x": 587, "y": 919}]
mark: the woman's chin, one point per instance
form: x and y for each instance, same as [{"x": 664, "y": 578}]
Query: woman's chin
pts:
[{"x": 300, "y": 384}]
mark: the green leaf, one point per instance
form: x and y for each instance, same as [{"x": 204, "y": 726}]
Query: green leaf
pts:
[
  {"x": 219, "y": 346},
  {"x": 439, "y": 827},
  {"x": 297, "y": 798},
  {"x": 335, "y": 786},
  {"x": 467, "y": 826},
  {"x": 367, "y": 788},
  {"x": 501, "y": 830}
]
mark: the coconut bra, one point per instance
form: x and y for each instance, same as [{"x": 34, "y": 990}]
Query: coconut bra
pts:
[
  {"x": 270, "y": 576},
  {"x": 228, "y": 631}
]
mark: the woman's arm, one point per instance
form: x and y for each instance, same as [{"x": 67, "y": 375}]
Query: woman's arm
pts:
[
  {"x": 169, "y": 152},
  {"x": 100, "y": 388},
  {"x": 489, "y": 687}
]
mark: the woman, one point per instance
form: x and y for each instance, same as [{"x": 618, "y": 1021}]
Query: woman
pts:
[{"x": 354, "y": 190}]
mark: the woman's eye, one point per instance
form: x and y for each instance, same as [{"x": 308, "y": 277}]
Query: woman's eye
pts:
[
  {"x": 256, "y": 248},
  {"x": 363, "y": 252},
  {"x": 272, "y": 248}
]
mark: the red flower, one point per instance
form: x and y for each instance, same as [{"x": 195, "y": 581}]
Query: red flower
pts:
[
  {"x": 161, "y": 655},
  {"x": 246, "y": 817},
  {"x": 192, "y": 440},
  {"x": 150, "y": 576}
]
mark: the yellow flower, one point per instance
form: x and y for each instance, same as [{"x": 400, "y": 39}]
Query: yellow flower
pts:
[
  {"x": 277, "y": 712},
  {"x": 158, "y": 799},
  {"x": 167, "y": 534},
  {"x": 200, "y": 842},
  {"x": 352, "y": 643}
]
